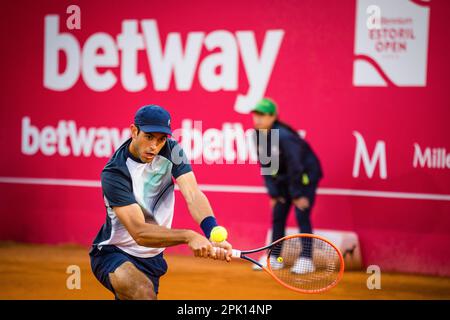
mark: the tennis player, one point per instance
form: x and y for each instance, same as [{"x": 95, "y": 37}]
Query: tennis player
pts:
[
  {"x": 138, "y": 191},
  {"x": 295, "y": 182}
]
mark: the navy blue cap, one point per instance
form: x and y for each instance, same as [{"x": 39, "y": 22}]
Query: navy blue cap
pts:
[{"x": 153, "y": 118}]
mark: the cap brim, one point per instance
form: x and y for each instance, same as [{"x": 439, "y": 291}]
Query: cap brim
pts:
[
  {"x": 259, "y": 111},
  {"x": 152, "y": 128}
]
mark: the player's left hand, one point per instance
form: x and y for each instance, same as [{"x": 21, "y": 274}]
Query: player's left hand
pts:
[{"x": 223, "y": 250}]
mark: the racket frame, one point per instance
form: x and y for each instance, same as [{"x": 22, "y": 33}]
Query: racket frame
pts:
[{"x": 242, "y": 255}]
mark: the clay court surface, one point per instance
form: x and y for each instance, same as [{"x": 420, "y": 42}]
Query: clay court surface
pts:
[{"x": 39, "y": 272}]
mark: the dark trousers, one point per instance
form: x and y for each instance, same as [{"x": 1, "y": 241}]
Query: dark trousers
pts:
[{"x": 279, "y": 218}]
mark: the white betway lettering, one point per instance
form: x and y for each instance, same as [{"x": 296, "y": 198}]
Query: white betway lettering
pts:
[
  {"x": 229, "y": 145},
  {"x": 101, "y": 50},
  {"x": 162, "y": 65},
  {"x": 67, "y": 139}
]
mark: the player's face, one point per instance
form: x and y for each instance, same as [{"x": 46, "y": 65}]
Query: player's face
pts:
[
  {"x": 146, "y": 145},
  {"x": 263, "y": 121}
]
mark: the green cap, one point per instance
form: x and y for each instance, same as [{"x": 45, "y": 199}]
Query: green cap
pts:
[{"x": 265, "y": 106}]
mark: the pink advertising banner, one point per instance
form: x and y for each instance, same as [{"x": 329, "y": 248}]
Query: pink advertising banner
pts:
[{"x": 365, "y": 82}]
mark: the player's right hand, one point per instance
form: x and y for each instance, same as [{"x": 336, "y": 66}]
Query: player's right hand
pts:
[
  {"x": 201, "y": 246},
  {"x": 224, "y": 250}
]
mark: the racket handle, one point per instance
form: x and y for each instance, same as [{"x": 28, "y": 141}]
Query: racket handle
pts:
[{"x": 234, "y": 253}]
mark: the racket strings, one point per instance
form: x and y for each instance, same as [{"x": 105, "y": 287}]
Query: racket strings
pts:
[{"x": 307, "y": 264}]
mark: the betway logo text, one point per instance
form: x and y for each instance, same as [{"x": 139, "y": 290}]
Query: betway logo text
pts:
[
  {"x": 101, "y": 50},
  {"x": 230, "y": 144},
  {"x": 68, "y": 139}
]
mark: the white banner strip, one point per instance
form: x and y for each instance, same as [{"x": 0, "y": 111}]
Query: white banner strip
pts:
[{"x": 239, "y": 189}]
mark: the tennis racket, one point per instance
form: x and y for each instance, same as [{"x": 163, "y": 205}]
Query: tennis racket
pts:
[{"x": 305, "y": 263}]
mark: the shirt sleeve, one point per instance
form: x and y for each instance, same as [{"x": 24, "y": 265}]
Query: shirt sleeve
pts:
[
  {"x": 179, "y": 160},
  {"x": 117, "y": 189}
]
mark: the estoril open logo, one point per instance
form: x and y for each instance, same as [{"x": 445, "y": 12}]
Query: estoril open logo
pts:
[
  {"x": 391, "y": 43},
  {"x": 98, "y": 57}
]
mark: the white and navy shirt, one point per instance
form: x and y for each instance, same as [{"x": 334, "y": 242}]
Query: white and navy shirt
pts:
[{"x": 127, "y": 180}]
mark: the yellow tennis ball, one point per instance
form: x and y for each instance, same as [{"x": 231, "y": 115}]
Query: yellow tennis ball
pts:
[
  {"x": 218, "y": 234},
  {"x": 280, "y": 259}
]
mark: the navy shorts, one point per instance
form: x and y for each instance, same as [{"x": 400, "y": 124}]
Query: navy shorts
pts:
[{"x": 109, "y": 258}]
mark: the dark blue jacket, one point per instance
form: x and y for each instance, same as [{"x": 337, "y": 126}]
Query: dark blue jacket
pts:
[{"x": 296, "y": 158}]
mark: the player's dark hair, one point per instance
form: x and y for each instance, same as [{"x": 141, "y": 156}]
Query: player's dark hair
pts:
[{"x": 139, "y": 129}]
